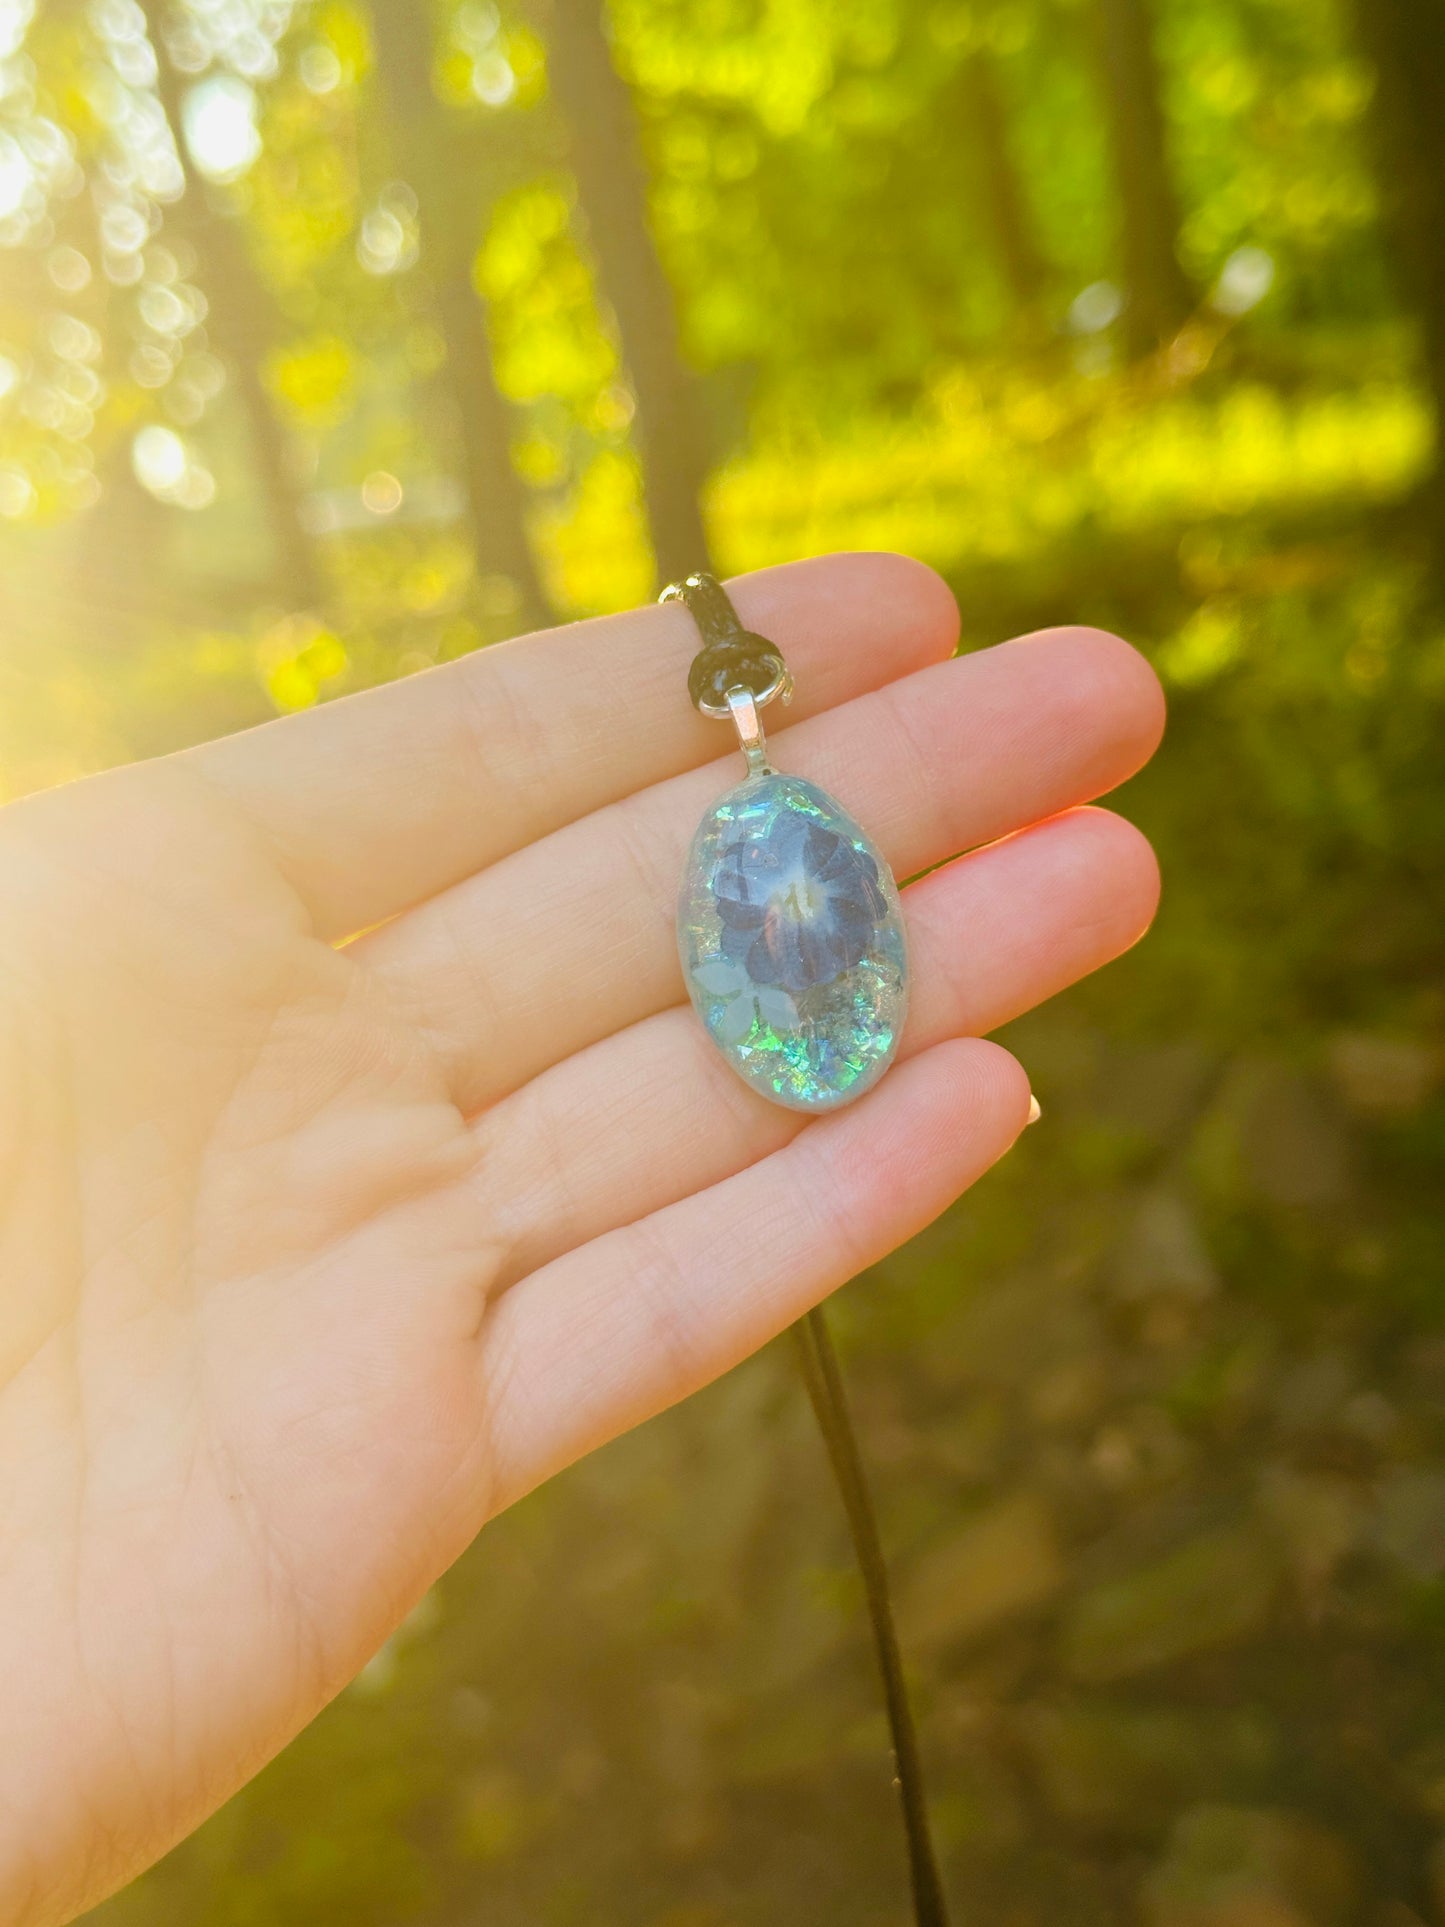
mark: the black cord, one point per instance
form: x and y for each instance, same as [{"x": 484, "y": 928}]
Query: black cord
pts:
[
  {"x": 825, "y": 1388},
  {"x": 730, "y": 656}
]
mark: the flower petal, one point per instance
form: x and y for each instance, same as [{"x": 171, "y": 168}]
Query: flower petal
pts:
[
  {"x": 741, "y": 915},
  {"x": 720, "y": 979},
  {"x": 777, "y": 1008},
  {"x": 737, "y": 1020}
]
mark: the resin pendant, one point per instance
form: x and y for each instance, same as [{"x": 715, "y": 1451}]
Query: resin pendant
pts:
[
  {"x": 788, "y": 922},
  {"x": 791, "y": 937}
]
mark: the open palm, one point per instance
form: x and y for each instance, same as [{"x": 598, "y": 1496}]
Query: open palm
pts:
[{"x": 312, "y": 1258}]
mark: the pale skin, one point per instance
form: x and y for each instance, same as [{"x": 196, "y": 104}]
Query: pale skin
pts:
[{"x": 317, "y": 1250}]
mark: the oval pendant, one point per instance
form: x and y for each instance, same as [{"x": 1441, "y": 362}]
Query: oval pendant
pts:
[{"x": 792, "y": 943}]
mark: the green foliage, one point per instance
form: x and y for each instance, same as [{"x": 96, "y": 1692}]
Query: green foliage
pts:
[{"x": 1156, "y": 1414}]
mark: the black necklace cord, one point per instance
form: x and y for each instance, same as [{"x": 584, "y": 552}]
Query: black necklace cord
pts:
[
  {"x": 733, "y": 658},
  {"x": 824, "y": 1381}
]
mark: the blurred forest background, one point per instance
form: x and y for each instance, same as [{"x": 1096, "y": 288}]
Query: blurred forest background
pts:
[{"x": 343, "y": 336}]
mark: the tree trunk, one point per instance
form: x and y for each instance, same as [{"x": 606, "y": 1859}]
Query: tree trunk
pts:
[
  {"x": 1159, "y": 297},
  {"x": 243, "y": 323},
  {"x": 1405, "y": 39},
  {"x": 449, "y": 217},
  {"x": 1001, "y": 190},
  {"x": 612, "y": 188}
]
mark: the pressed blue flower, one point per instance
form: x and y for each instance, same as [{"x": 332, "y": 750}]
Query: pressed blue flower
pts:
[{"x": 798, "y": 906}]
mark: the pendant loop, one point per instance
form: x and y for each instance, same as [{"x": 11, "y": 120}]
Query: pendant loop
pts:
[{"x": 731, "y": 656}]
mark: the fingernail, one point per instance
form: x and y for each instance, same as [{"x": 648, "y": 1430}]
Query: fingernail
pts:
[{"x": 1035, "y": 1111}]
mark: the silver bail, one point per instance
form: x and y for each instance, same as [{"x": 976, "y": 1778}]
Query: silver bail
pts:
[{"x": 743, "y": 708}]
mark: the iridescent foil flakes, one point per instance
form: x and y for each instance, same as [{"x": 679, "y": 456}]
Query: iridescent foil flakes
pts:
[{"x": 792, "y": 943}]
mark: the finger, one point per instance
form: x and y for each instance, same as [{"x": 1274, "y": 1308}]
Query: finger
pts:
[
  {"x": 382, "y": 799},
  {"x": 606, "y": 1336},
  {"x": 653, "y": 1113},
  {"x": 573, "y": 938}
]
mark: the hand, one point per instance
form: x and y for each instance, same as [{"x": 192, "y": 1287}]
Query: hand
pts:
[{"x": 314, "y": 1258}]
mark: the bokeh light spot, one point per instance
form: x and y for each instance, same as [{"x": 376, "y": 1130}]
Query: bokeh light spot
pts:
[
  {"x": 17, "y": 493},
  {"x": 320, "y": 68},
  {"x": 158, "y": 456},
  {"x": 68, "y": 269},
  {"x": 493, "y": 80},
  {"x": 1245, "y": 279},
  {"x": 220, "y": 124},
  {"x": 1095, "y": 308},
  {"x": 381, "y": 492},
  {"x": 15, "y": 176}
]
